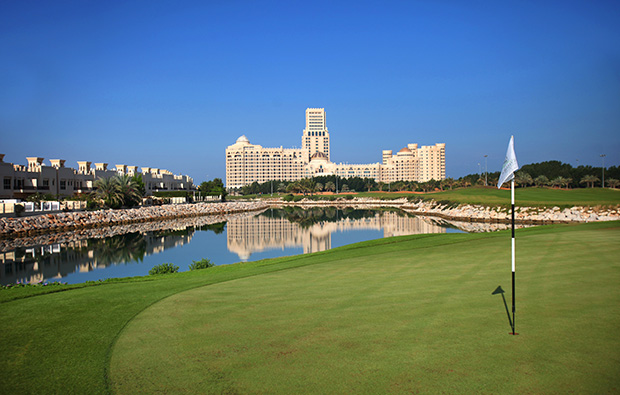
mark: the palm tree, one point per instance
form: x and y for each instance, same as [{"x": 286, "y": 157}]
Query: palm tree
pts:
[
  {"x": 589, "y": 180},
  {"x": 329, "y": 186},
  {"x": 523, "y": 179},
  {"x": 558, "y": 181},
  {"x": 541, "y": 181},
  {"x": 449, "y": 182},
  {"x": 107, "y": 189},
  {"x": 129, "y": 190},
  {"x": 567, "y": 181},
  {"x": 293, "y": 187},
  {"x": 306, "y": 185},
  {"x": 318, "y": 187},
  {"x": 613, "y": 183}
]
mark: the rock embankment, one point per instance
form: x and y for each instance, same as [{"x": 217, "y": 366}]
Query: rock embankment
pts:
[
  {"x": 523, "y": 215},
  {"x": 473, "y": 213},
  {"x": 102, "y": 232},
  {"x": 18, "y": 227}
]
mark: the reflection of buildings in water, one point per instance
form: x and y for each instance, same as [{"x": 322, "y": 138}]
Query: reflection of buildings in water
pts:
[
  {"x": 56, "y": 261},
  {"x": 260, "y": 233}
]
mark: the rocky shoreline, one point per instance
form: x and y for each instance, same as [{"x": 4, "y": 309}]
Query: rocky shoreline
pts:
[
  {"x": 71, "y": 236},
  {"x": 63, "y": 222},
  {"x": 475, "y": 213}
]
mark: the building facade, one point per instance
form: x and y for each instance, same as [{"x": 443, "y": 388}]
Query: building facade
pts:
[
  {"x": 19, "y": 181},
  {"x": 247, "y": 163}
]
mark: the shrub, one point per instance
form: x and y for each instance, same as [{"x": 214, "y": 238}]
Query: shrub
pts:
[
  {"x": 204, "y": 263},
  {"x": 164, "y": 268},
  {"x": 349, "y": 197},
  {"x": 19, "y": 209},
  {"x": 287, "y": 198}
]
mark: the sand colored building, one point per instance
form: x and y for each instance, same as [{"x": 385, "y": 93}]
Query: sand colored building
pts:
[
  {"x": 247, "y": 163},
  {"x": 19, "y": 181}
]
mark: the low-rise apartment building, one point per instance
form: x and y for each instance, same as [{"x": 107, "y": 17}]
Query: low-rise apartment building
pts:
[{"x": 20, "y": 181}]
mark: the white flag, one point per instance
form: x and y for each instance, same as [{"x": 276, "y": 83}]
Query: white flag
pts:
[{"x": 510, "y": 164}]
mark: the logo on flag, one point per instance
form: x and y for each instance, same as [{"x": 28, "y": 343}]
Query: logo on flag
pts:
[{"x": 510, "y": 164}]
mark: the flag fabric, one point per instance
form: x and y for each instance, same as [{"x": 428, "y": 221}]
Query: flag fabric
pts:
[{"x": 510, "y": 164}]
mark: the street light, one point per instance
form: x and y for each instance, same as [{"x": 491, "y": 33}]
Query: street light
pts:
[
  {"x": 603, "y": 159},
  {"x": 486, "y": 171}
]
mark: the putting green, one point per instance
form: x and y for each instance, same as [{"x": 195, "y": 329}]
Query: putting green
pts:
[{"x": 404, "y": 317}]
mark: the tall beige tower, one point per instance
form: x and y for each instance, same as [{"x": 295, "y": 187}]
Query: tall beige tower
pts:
[{"x": 316, "y": 136}]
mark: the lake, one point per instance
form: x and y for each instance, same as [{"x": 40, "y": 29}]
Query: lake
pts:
[{"x": 132, "y": 250}]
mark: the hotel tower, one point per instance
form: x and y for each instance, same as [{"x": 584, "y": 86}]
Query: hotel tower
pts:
[{"x": 247, "y": 163}]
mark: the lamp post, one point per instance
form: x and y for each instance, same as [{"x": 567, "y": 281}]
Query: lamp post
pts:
[
  {"x": 486, "y": 171},
  {"x": 603, "y": 159}
]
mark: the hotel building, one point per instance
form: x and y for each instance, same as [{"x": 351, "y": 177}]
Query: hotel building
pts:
[{"x": 247, "y": 163}]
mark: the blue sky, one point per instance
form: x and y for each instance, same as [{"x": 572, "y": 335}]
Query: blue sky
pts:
[{"x": 171, "y": 84}]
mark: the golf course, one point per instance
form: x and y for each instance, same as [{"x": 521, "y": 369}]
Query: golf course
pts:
[{"x": 404, "y": 314}]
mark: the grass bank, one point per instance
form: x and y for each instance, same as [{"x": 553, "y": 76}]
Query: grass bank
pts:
[
  {"x": 491, "y": 196},
  {"x": 412, "y": 313}
]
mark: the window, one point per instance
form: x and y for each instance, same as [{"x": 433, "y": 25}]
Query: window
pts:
[
  {"x": 7, "y": 183},
  {"x": 63, "y": 184}
]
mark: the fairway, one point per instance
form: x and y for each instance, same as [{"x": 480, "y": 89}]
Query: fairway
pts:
[{"x": 396, "y": 315}]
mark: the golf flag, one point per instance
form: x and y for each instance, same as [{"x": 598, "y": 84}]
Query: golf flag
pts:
[
  {"x": 508, "y": 174},
  {"x": 510, "y": 164}
]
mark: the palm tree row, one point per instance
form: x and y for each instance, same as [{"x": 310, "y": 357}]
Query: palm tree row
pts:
[{"x": 524, "y": 179}]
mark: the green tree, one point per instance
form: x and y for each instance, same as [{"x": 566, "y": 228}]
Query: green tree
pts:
[
  {"x": 129, "y": 190},
  {"x": 139, "y": 183},
  {"x": 306, "y": 186},
  {"x": 557, "y": 182},
  {"x": 293, "y": 187},
  {"x": 523, "y": 179},
  {"x": 589, "y": 180},
  {"x": 107, "y": 189},
  {"x": 330, "y": 186},
  {"x": 541, "y": 181},
  {"x": 613, "y": 183}
]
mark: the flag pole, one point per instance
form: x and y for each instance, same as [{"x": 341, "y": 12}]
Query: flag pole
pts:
[
  {"x": 512, "y": 204},
  {"x": 508, "y": 174}
]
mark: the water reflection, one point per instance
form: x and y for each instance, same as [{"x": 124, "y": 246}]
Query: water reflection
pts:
[
  {"x": 56, "y": 256},
  {"x": 130, "y": 250},
  {"x": 312, "y": 228}
]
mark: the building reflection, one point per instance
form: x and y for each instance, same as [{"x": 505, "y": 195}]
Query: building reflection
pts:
[
  {"x": 55, "y": 261},
  {"x": 54, "y": 256},
  {"x": 312, "y": 229}
]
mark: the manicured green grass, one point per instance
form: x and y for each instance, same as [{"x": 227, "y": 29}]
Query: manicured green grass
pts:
[
  {"x": 491, "y": 196},
  {"x": 525, "y": 197},
  {"x": 407, "y": 314}
]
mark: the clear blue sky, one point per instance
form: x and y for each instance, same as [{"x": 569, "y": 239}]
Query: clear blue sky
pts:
[{"x": 171, "y": 84}]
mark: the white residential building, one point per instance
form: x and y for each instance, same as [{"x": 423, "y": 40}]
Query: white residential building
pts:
[{"x": 19, "y": 181}]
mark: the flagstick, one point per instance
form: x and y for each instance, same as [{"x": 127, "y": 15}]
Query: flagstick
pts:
[{"x": 512, "y": 202}]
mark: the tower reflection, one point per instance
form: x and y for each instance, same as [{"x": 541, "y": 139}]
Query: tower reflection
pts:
[{"x": 312, "y": 229}]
